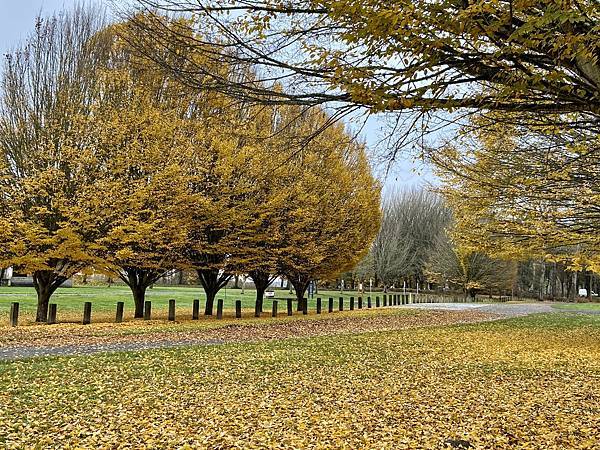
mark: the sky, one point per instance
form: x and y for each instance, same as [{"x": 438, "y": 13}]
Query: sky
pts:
[{"x": 18, "y": 18}]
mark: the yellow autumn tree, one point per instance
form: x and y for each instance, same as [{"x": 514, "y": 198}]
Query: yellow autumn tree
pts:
[
  {"x": 523, "y": 192},
  {"x": 47, "y": 159}
]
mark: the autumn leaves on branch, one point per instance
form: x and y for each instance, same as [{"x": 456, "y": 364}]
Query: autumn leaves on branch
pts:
[
  {"x": 108, "y": 161},
  {"x": 515, "y": 82}
]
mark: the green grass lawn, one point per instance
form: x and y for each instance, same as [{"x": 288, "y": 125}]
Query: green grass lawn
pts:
[
  {"x": 524, "y": 383},
  {"x": 577, "y": 306},
  {"x": 70, "y": 301}
]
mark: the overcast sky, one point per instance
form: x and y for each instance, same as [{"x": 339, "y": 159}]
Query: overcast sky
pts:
[{"x": 18, "y": 17}]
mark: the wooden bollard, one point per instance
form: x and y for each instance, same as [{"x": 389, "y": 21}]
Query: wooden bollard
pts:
[
  {"x": 369, "y": 305},
  {"x": 341, "y": 305},
  {"x": 147, "y": 310},
  {"x": 274, "y": 311},
  {"x": 87, "y": 313},
  {"x": 120, "y": 308},
  {"x": 330, "y": 309},
  {"x": 238, "y": 309},
  {"x": 359, "y": 302},
  {"x": 384, "y": 300},
  {"x": 14, "y": 314},
  {"x": 290, "y": 307},
  {"x": 171, "y": 310},
  {"x": 51, "y": 313},
  {"x": 220, "y": 308},
  {"x": 377, "y": 303},
  {"x": 351, "y": 303},
  {"x": 318, "y": 305},
  {"x": 305, "y": 306},
  {"x": 196, "y": 309}
]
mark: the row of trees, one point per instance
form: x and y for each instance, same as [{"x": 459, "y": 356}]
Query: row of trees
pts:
[
  {"x": 107, "y": 161},
  {"x": 520, "y": 78}
]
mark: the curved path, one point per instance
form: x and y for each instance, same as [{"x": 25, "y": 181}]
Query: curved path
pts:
[
  {"x": 73, "y": 341},
  {"x": 506, "y": 310}
]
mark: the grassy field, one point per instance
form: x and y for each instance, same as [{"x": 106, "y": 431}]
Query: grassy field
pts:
[
  {"x": 70, "y": 301},
  {"x": 520, "y": 383},
  {"x": 577, "y": 306}
]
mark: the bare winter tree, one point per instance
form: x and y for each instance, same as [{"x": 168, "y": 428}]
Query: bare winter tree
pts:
[{"x": 413, "y": 220}]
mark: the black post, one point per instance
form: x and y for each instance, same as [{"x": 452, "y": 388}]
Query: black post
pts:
[
  {"x": 220, "y": 308},
  {"x": 172, "y": 310},
  {"x": 369, "y": 302},
  {"x": 196, "y": 309},
  {"x": 318, "y": 305},
  {"x": 87, "y": 313},
  {"x": 330, "y": 304},
  {"x": 238, "y": 309},
  {"x": 359, "y": 302},
  {"x": 120, "y": 307},
  {"x": 14, "y": 314},
  {"x": 351, "y": 303},
  {"x": 274, "y": 312},
  {"x": 341, "y": 305},
  {"x": 290, "y": 307},
  {"x": 385, "y": 300},
  {"x": 377, "y": 304},
  {"x": 147, "y": 310},
  {"x": 305, "y": 306},
  {"x": 51, "y": 313}
]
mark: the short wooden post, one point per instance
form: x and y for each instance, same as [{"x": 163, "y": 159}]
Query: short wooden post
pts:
[
  {"x": 172, "y": 310},
  {"x": 330, "y": 309},
  {"x": 274, "y": 311},
  {"x": 196, "y": 309},
  {"x": 290, "y": 307},
  {"x": 14, "y": 314},
  {"x": 147, "y": 310},
  {"x": 318, "y": 305},
  {"x": 305, "y": 306},
  {"x": 351, "y": 303},
  {"x": 341, "y": 305},
  {"x": 238, "y": 309},
  {"x": 120, "y": 308},
  {"x": 359, "y": 302},
  {"x": 384, "y": 300},
  {"x": 369, "y": 303},
  {"x": 87, "y": 313},
  {"x": 220, "y": 308},
  {"x": 51, "y": 313},
  {"x": 377, "y": 303}
]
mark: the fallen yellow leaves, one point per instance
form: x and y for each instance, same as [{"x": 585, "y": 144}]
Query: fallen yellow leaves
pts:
[{"x": 523, "y": 383}]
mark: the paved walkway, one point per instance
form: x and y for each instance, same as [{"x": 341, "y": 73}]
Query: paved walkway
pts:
[{"x": 506, "y": 310}]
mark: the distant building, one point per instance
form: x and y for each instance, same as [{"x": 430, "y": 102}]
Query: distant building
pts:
[{"x": 12, "y": 278}]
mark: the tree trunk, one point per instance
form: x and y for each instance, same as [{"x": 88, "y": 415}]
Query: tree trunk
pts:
[
  {"x": 139, "y": 280},
  {"x": 45, "y": 283},
  {"x": 139, "y": 297},
  {"x": 212, "y": 281},
  {"x": 236, "y": 282},
  {"x": 261, "y": 281},
  {"x": 588, "y": 285},
  {"x": 300, "y": 283},
  {"x": 573, "y": 287}
]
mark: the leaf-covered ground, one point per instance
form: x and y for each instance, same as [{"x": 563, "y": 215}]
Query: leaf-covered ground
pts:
[
  {"x": 72, "y": 339},
  {"x": 522, "y": 383}
]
